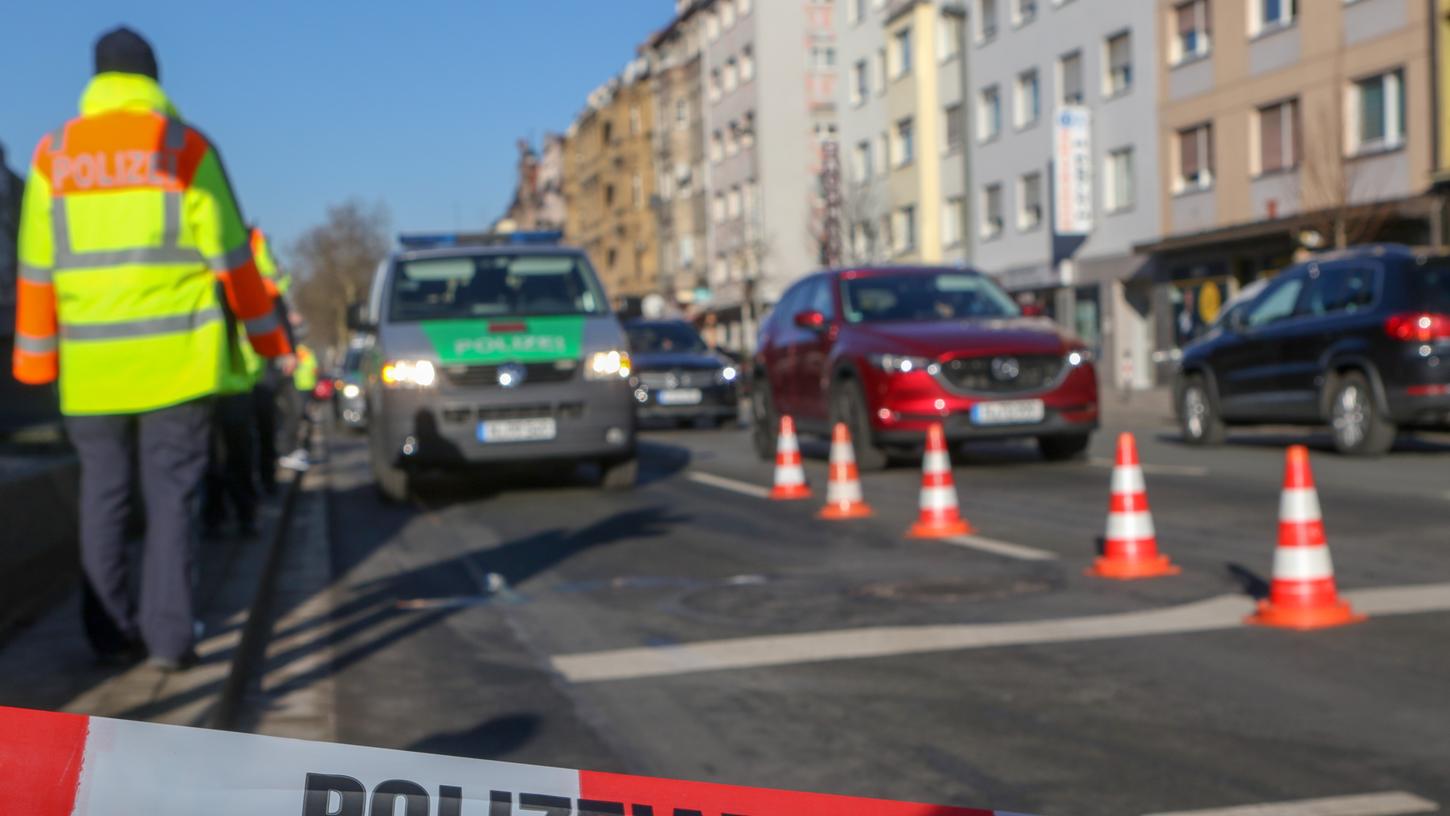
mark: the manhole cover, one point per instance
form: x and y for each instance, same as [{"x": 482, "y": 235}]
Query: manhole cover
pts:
[{"x": 954, "y": 590}]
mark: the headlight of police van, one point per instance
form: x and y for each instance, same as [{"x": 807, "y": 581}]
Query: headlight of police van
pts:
[
  {"x": 608, "y": 365},
  {"x": 902, "y": 364},
  {"x": 727, "y": 375},
  {"x": 1078, "y": 357},
  {"x": 409, "y": 374},
  {"x": 351, "y": 391}
]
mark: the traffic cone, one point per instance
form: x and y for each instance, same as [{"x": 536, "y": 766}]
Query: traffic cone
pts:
[
  {"x": 843, "y": 491},
  {"x": 790, "y": 477},
  {"x": 1130, "y": 549},
  {"x": 1303, "y": 594},
  {"x": 939, "y": 516}
]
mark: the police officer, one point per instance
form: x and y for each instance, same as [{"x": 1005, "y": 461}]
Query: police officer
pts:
[
  {"x": 134, "y": 265},
  {"x": 272, "y": 377},
  {"x": 304, "y": 382}
]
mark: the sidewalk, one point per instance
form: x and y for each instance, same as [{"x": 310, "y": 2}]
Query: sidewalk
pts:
[
  {"x": 1136, "y": 409},
  {"x": 38, "y": 483},
  {"x": 49, "y": 665}
]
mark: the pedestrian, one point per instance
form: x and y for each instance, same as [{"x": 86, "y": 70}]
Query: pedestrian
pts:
[
  {"x": 304, "y": 382},
  {"x": 274, "y": 373},
  {"x": 133, "y": 259}
]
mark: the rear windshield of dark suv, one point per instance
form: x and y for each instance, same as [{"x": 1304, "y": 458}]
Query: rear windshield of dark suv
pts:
[{"x": 1431, "y": 286}]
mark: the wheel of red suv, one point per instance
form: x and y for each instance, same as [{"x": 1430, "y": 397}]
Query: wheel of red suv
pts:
[
  {"x": 762, "y": 419},
  {"x": 1197, "y": 416},
  {"x": 1355, "y": 420},
  {"x": 848, "y": 405}
]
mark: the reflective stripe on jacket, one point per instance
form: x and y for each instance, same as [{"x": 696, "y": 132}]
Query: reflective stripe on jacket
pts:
[{"x": 134, "y": 260}]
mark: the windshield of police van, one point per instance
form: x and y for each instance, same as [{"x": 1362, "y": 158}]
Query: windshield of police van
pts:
[
  {"x": 484, "y": 286},
  {"x": 920, "y": 296},
  {"x": 665, "y": 338}
]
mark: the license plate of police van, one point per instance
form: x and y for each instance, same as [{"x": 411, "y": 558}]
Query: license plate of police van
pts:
[
  {"x": 679, "y": 396},
  {"x": 1013, "y": 412},
  {"x": 517, "y": 430}
]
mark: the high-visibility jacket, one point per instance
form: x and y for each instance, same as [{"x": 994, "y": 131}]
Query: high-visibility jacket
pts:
[
  {"x": 276, "y": 280},
  {"x": 134, "y": 260},
  {"x": 304, "y": 376},
  {"x": 276, "y": 283}
]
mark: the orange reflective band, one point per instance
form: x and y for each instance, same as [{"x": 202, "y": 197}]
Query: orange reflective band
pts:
[
  {"x": 272, "y": 344},
  {"x": 35, "y": 309},
  {"x": 34, "y": 368}
]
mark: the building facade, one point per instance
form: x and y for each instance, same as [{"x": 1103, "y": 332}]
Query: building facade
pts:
[
  {"x": 1063, "y": 159},
  {"x": 862, "y": 116},
  {"x": 609, "y": 183},
  {"x": 1287, "y": 127},
  {"x": 681, "y": 209},
  {"x": 769, "y": 77}
]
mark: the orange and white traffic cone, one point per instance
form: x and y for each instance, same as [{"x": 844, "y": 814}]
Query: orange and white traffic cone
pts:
[
  {"x": 1302, "y": 594},
  {"x": 1130, "y": 548},
  {"x": 790, "y": 477},
  {"x": 939, "y": 516},
  {"x": 843, "y": 491}
]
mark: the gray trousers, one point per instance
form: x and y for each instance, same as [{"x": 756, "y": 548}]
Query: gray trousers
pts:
[{"x": 168, "y": 450}]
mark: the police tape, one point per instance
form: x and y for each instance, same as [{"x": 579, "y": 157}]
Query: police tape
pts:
[{"x": 73, "y": 765}]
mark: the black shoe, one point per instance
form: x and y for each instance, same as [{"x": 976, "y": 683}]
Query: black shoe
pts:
[
  {"x": 172, "y": 665},
  {"x": 121, "y": 657}
]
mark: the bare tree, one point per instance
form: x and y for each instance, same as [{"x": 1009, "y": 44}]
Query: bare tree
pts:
[
  {"x": 335, "y": 261},
  {"x": 1341, "y": 200},
  {"x": 861, "y": 216}
]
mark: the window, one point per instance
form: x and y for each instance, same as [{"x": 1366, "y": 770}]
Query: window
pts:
[
  {"x": 742, "y": 7},
  {"x": 1120, "y": 189},
  {"x": 715, "y": 85},
  {"x": 732, "y": 138},
  {"x": 954, "y": 220},
  {"x": 747, "y": 131},
  {"x": 732, "y": 202},
  {"x": 956, "y": 123},
  {"x": 1338, "y": 287},
  {"x": 1277, "y": 302},
  {"x": 1069, "y": 75},
  {"x": 949, "y": 37},
  {"x": 1377, "y": 111},
  {"x": 636, "y": 191},
  {"x": 1278, "y": 135},
  {"x": 747, "y": 64},
  {"x": 860, "y": 82},
  {"x": 682, "y": 113},
  {"x": 904, "y": 229},
  {"x": 989, "y": 114},
  {"x": 1195, "y": 158},
  {"x": 1119, "y": 64},
  {"x": 878, "y": 78},
  {"x": 1190, "y": 37},
  {"x": 717, "y": 146},
  {"x": 609, "y": 195},
  {"x": 992, "y": 211},
  {"x": 901, "y": 53},
  {"x": 606, "y": 133},
  {"x": 687, "y": 250},
  {"x": 732, "y": 74},
  {"x": 855, "y": 11},
  {"x": 1028, "y": 102},
  {"x": 986, "y": 20},
  {"x": 861, "y": 164},
  {"x": 1268, "y": 15},
  {"x": 712, "y": 27},
  {"x": 1029, "y": 196},
  {"x": 717, "y": 208},
  {"x": 823, "y": 58},
  {"x": 905, "y": 143},
  {"x": 727, "y": 15},
  {"x": 1023, "y": 11},
  {"x": 634, "y": 120}
]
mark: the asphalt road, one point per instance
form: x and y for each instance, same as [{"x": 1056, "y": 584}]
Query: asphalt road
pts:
[{"x": 458, "y": 621}]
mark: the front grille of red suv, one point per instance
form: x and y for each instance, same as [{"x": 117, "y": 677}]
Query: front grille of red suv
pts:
[{"x": 992, "y": 375}]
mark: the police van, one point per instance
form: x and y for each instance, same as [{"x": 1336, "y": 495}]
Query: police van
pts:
[{"x": 491, "y": 349}]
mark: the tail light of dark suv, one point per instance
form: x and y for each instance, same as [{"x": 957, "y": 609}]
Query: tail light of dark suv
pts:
[{"x": 1418, "y": 327}]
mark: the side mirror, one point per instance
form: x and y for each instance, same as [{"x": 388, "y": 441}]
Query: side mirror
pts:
[
  {"x": 811, "y": 320},
  {"x": 357, "y": 318},
  {"x": 1033, "y": 310}
]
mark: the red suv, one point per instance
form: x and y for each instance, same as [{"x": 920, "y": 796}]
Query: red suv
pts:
[{"x": 889, "y": 351}]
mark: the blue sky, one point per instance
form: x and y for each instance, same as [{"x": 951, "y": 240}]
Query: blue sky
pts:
[{"x": 414, "y": 104}]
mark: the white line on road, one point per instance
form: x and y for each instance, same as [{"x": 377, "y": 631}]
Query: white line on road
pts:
[
  {"x": 744, "y": 488},
  {"x": 1164, "y": 470},
  {"x": 995, "y": 547},
  {"x": 1391, "y": 803},
  {"x": 1213, "y": 614}
]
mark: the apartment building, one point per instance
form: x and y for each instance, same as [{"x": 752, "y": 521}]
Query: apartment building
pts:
[
  {"x": 609, "y": 180},
  {"x": 1062, "y": 100},
  {"x": 769, "y": 72},
  {"x": 538, "y": 202},
  {"x": 1287, "y": 127},
  {"x": 681, "y": 211}
]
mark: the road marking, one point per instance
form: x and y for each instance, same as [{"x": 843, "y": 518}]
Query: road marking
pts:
[
  {"x": 995, "y": 547},
  {"x": 1213, "y": 614},
  {"x": 1391, "y": 803},
  {"x": 744, "y": 488},
  {"x": 1164, "y": 470}
]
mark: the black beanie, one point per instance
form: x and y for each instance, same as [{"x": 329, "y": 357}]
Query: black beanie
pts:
[{"x": 124, "y": 51}]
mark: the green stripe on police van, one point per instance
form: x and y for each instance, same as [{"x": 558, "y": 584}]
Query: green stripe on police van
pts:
[{"x": 501, "y": 340}]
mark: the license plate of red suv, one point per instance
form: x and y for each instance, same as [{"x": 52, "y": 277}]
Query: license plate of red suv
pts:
[{"x": 1010, "y": 412}]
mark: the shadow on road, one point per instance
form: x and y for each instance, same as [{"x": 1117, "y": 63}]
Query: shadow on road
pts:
[
  {"x": 495, "y": 739},
  {"x": 1253, "y": 584}
]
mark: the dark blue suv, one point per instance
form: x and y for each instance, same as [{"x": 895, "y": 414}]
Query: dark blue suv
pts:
[{"x": 1358, "y": 339}]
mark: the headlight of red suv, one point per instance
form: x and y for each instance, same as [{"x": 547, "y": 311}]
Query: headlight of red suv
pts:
[
  {"x": 1078, "y": 357},
  {"x": 902, "y": 363}
]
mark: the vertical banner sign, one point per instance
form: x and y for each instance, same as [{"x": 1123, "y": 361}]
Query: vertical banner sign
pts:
[{"x": 1073, "y": 168}]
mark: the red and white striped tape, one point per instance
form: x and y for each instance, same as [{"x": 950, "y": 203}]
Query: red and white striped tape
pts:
[{"x": 66, "y": 764}]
